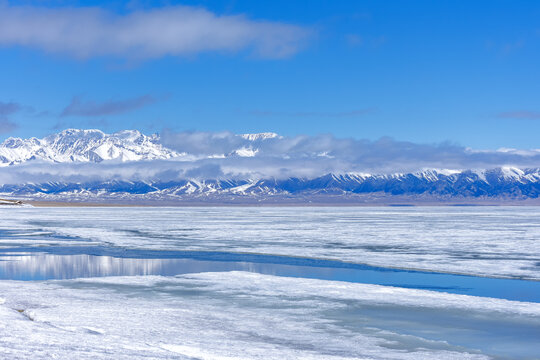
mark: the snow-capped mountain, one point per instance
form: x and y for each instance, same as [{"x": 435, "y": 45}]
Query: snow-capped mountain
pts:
[
  {"x": 500, "y": 183},
  {"x": 75, "y": 145},
  {"x": 84, "y": 146},
  {"x": 196, "y": 172},
  {"x": 260, "y": 136}
]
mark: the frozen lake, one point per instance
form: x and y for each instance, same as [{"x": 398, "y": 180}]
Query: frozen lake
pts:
[
  {"x": 489, "y": 241},
  {"x": 32, "y": 266},
  {"x": 401, "y": 283}
]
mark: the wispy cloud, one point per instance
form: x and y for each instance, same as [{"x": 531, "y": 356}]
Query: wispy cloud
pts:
[
  {"x": 6, "y": 110},
  {"x": 7, "y": 126},
  {"x": 511, "y": 47},
  {"x": 354, "y": 40},
  {"x": 85, "y": 32},
  {"x": 9, "y": 108},
  {"x": 80, "y": 107},
  {"x": 531, "y": 115},
  {"x": 507, "y": 47},
  {"x": 329, "y": 114}
]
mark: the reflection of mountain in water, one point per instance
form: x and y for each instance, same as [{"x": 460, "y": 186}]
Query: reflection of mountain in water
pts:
[
  {"x": 40, "y": 267},
  {"x": 20, "y": 266}
]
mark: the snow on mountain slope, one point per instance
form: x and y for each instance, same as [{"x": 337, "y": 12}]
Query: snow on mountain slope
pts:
[
  {"x": 245, "y": 152},
  {"x": 260, "y": 136},
  {"x": 75, "y": 145},
  {"x": 492, "y": 183},
  {"x": 85, "y": 146},
  {"x": 228, "y": 165}
]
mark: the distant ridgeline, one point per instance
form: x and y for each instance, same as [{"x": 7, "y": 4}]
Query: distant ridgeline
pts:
[
  {"x": 498, "y": 185},
  {"x": 494, "y": 184}
]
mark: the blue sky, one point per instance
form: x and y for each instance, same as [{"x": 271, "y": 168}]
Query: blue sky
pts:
[{"x": 419, "y": 71}]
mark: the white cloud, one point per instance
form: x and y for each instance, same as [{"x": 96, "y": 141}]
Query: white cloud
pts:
[
  {"x": 326, "y": 153},
  {"x": 176, "y": 30},
  {"x": 212, "y": 157}
]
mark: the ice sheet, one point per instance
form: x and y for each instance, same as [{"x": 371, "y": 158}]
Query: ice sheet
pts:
[
  {"x": 238, "y": 315},
  {"x": 490, "y": 241}
]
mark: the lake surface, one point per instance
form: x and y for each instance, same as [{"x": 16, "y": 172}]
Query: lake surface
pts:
[
  {"x": 39, "y": 266},
  {"x": 487, "y": 241},
  {"x": 335, "y": 282}
]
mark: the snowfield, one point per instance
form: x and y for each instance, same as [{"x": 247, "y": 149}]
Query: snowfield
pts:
[
  {"x": 239, "y": 315},
  {"x": 223, "y": 314}
]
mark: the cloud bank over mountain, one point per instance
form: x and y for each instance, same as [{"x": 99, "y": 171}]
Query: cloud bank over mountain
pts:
[
  {"x": 91, "y": 155},
  {"x": 331, "y": 154}
]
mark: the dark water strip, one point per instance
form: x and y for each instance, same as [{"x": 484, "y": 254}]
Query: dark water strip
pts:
[{"x": 74, "y": 262}]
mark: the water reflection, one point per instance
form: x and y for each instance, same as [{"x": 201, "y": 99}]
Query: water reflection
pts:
[{"x": 46, "y": 266}]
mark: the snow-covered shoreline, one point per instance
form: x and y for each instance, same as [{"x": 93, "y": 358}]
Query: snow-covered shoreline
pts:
[{"x": 243, "y": 315}]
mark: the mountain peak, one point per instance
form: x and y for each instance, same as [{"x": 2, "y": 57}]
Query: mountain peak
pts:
[
  {"x": 128, "y": 134},
  {"x": 79, "y": 132},
  {"x": 84, "y": 145},
  {"x": 259, "y": 136}
]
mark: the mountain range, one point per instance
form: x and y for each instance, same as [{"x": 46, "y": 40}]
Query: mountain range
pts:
[
  {"x": 75, "y": 145},
  {"x": 507, "y": 183}
]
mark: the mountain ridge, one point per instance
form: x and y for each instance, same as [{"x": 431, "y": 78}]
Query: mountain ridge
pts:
[
  {"x": 93, "y": 145},
  {"x": 74, "y": 145},
  {"x": 494, "y": 183},
  {"x": 131, "y": 146}
]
